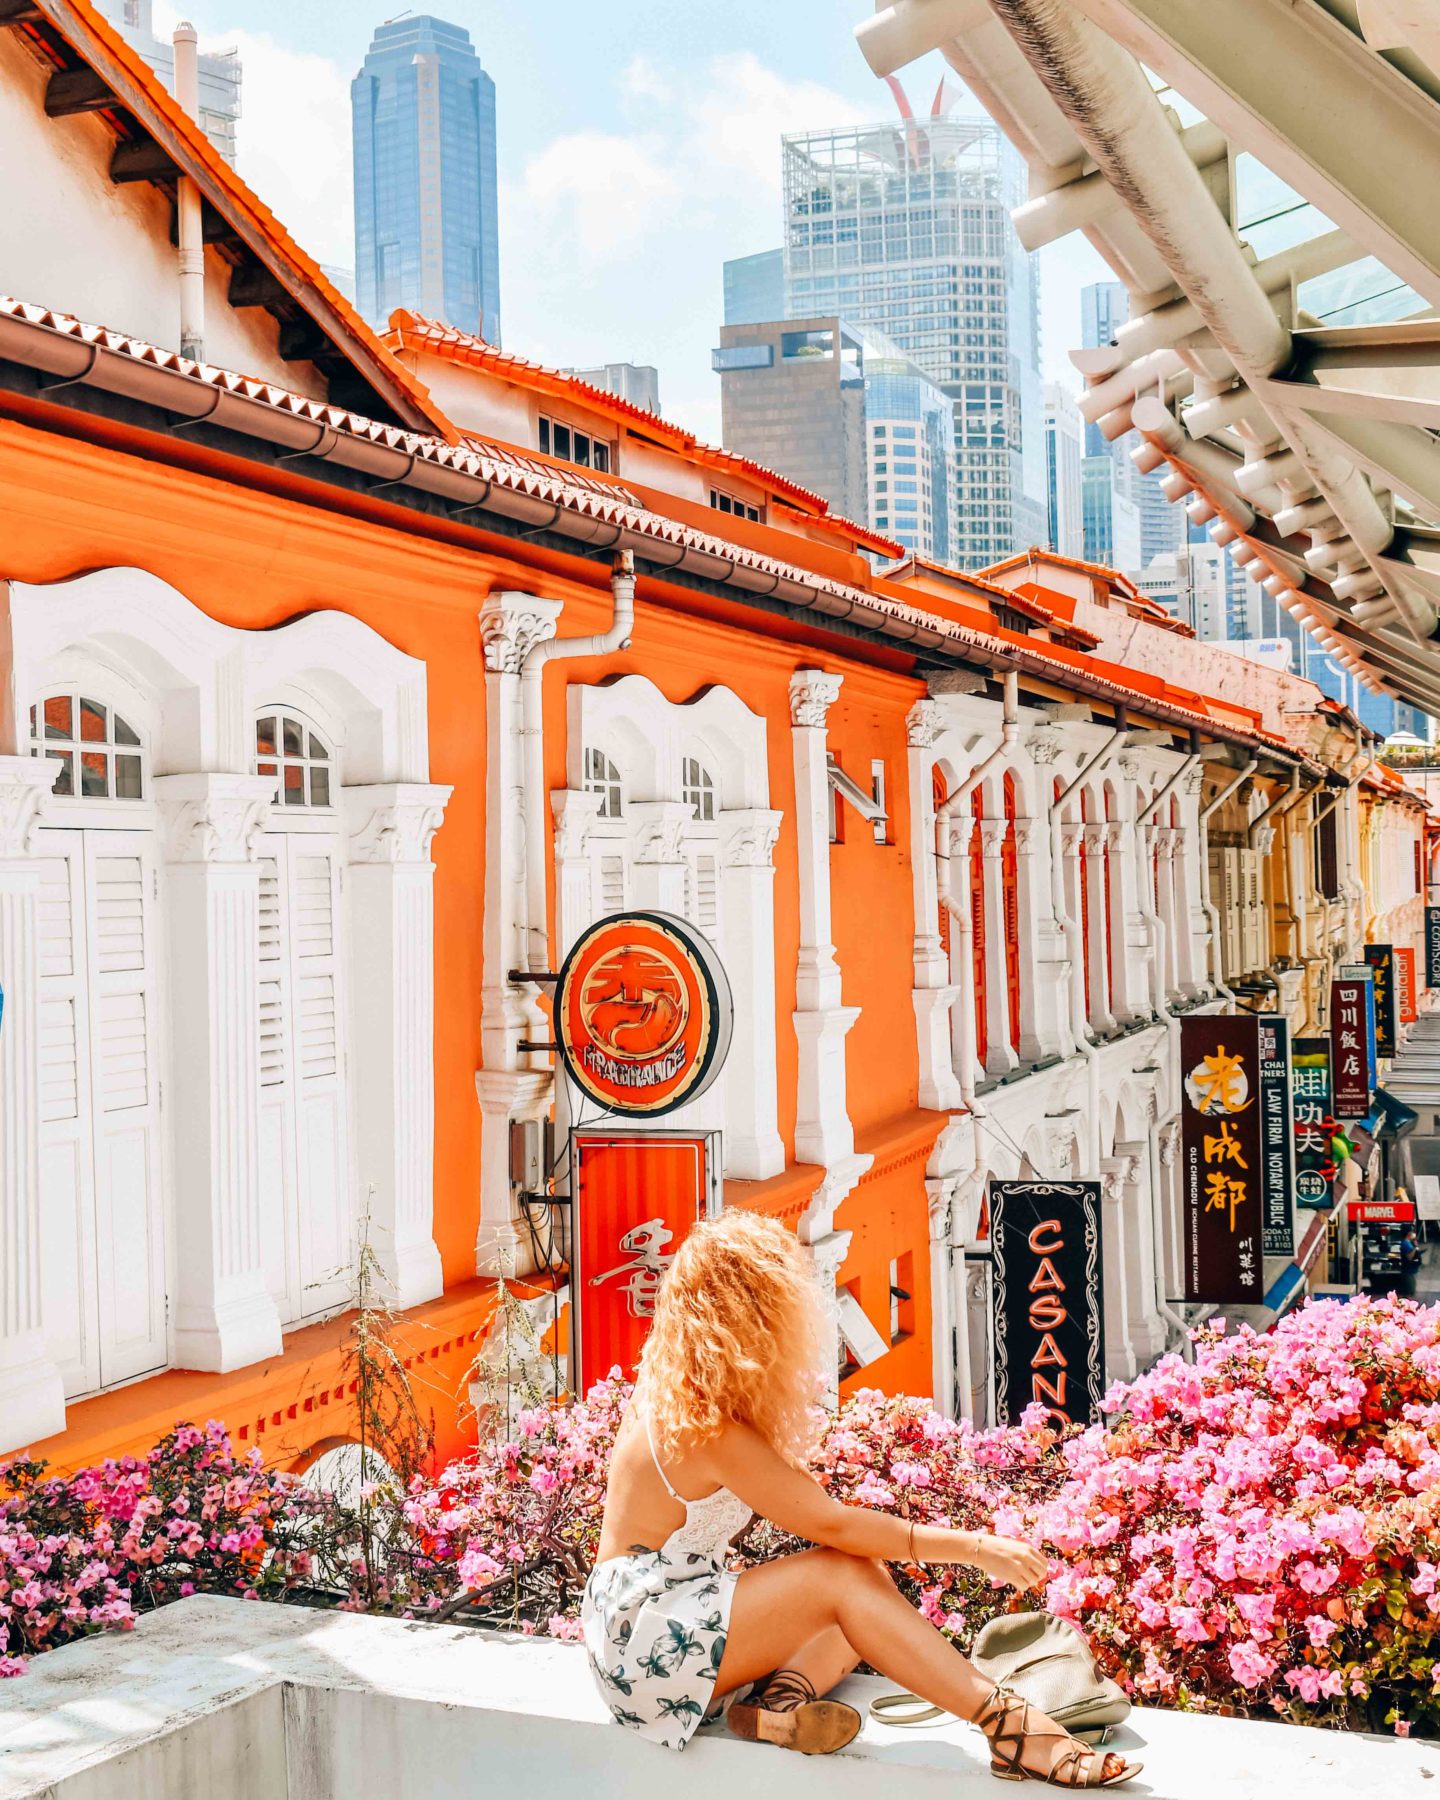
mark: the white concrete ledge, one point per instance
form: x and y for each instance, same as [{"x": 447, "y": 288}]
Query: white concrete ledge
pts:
[{"x": 235, "y": 1700}]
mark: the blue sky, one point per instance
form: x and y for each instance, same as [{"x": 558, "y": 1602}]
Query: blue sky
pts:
[{"x": 638, "y": 148}]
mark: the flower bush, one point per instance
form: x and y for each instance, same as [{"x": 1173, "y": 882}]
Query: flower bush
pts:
[{"x": 1256, "y": 1532}]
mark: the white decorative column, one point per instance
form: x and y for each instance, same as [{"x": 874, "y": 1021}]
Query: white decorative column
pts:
[
  {"x": 976, "y": 1324},
  {"x": 1129, "y": 949},
  {"x": 1169, "y": 1251},
  {"x": 1092, "y": 873},
  {"x": 224, "y": 1315},
  {"x": 658, "y": 865},
  {"x": 934, "y": 994},
  {"x": 513, "y": 1084},
  {"x": 1117, "y": 1255},
  {"x": 1044, "y": 953},
  {"x": 829, "y": 1253},
  {"x": 391, "y": 917},
  {"x": 823, "y": 1132},
  {"x": 753, "y": 1146},
  {"x": 940, "y": 1194},
  {"x": 1146, "y": 1327},
  {"x": 32, "y": 1396},
  {"x": 575, "y": 812},
  {"x": 1000, "y": 1054}
]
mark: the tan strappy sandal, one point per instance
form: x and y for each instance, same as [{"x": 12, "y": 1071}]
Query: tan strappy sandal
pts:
[
  {"x": 794, "y": 1719},
  {"x": 1003, "y": 1719}
]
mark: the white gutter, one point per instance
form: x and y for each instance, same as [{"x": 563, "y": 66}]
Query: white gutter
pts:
[
  {"x": 948, "y": 807},
  {"x": 191, "y": 253},
  {"x": 1212, "y": 912}
]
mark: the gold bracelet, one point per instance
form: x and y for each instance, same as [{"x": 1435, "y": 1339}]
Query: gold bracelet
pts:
[{"x": 912, "y": 1540}]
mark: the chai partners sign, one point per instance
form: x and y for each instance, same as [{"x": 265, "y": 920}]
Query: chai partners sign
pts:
[
  {"x": 1047, "y": 1295},
  {"x": 1222, "y": 1160}
]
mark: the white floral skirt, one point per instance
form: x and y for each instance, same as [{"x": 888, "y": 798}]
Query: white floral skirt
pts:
[{"x": 655, "y": 1629}]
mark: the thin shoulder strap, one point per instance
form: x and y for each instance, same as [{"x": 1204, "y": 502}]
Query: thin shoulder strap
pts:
[{"x": 654, "y": 1457}]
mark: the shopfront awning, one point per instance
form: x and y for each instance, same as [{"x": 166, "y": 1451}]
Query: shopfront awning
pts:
[{"x": 1393, "y": 1117}]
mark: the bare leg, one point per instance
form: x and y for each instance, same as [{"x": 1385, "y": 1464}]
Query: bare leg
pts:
[
  {"x": 782, "y": 1608},
  {"x": 823, "y": 1663}
]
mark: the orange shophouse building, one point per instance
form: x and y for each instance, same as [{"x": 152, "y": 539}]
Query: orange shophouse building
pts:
[{"x": 346, "y": 681}]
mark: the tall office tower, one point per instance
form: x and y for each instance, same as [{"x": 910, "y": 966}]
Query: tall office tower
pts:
[
  {"x": 219, "y": 71},
  {"x": 848, "y": 414},
  {"x": 755, "y": 288},
  {"x": 426, "y": 231},
  {"x": 639, "y": 383},
  {"x": 1064, "y": 444},
  {"x": 1104, "y": 308},
  {"x": 1112, "y": 519},
  {"x": 906, "y": 228}
]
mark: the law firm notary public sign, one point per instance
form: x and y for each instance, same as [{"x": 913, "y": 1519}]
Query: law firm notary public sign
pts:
[
  {"x": 1047, "y": 1296},
  {"x": 1222, "y": 1169},
  {"x": 1277, "y": 1137}
]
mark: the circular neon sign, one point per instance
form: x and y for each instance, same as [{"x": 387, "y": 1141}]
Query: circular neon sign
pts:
[{"x": 642, "y": 1013}]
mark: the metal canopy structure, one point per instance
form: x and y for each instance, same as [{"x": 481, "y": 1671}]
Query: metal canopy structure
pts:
[{"x": 1260, "y": 174}]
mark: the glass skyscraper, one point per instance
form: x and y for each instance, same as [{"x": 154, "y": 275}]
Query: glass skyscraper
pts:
[
  {"x": 219, "y": 71},
  {"x": 906, "y": 227},
  {"x": 426, "y": 231}
]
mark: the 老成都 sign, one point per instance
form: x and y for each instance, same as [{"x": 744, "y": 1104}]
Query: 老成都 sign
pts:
[
  {"x": 1221, "y": 1159},
  {"x": 1047, "y": 1296},
  {"x": 642, "y": 1013}
]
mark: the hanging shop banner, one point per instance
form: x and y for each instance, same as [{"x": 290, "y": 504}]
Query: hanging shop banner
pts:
[
  {"x": 1221, "y": 1159},
  {"x": 1380, "y": 1212},
  {"x": 1277, "y": 1138},
  {"x": 642, "y": 1013},
  {"x": 636, "y": 1195},
  {"x": 1405, "y": 998},
  {"x": 1314, "y": 1122},
  {"x": 1350, "y": 1031},
  {"x": 1380, "y": 959},
  {"x": 1047, "y": 1295},
  {"x": 1432, "y": 946}
]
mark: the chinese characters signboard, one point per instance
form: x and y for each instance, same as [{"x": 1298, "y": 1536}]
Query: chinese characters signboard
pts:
[
  {"x": 1350, "y": 1003},
  {"x": 1047, "y": 1295},
  {"x": 1405, "y": 996},
  {"x": 1276, "y": 1138},
  {"x": 1380, "y": 959},
  {"x": 1314, "y": 1122},
  {"x": 636, "y": 1196},
  {"x": 1432, "y": 946},
  {"x": 642, "y": 1013},
  {"x": 1222, "y": 1171}
]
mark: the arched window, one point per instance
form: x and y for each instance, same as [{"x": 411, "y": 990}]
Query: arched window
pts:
[
  {"x": 1088, "y": 947},
  {"x": 697, "y": 789},
  {"x": 1010, "y": 879},
  {"x": 291, "y": 750},
  {"x": 603, "y": 778},
  {"x": 99, "y": 753}
]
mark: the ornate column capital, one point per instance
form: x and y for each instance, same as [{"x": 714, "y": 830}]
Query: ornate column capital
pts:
[
  {"x": 1128, "y": 764},
  {"x": 1029, "y": 834},
  {"x": 1114, "y": 833},
  {"x": 1165, "y": 841},
  {"x": 940, "y": 1194},
  {"x": 1169, "y": 1141},
  {"x": 1265, "y": 839},
  {"x": 1093, "y": 836},
  {"x": 1044, "y": 745},
  {"x": 1116, "y": 1173},
  {"x": 393, "y": 822},
  {"x": 812, "y": 693},
  {"x": 660, "y": 829},
  {"x": 24, "y": 783},
  {"x": 748, "y": 836},
  {"x": 214, "y": 818},
  {"x": 993, "y": 833},
  {"x": 575, "y": 811},
  {"x": 511, "y": 624},
  {"x": 1194, "y": 782},
  {"x": 923, "y": 723},
  {"x": 1072, "y": 835}
]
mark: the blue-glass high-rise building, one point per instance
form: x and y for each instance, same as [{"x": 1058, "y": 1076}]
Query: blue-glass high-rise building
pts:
[{"x": 426, "y": 229}]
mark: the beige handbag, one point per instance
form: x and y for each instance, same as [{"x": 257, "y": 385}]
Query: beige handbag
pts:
[{"x": 1044, "y": 1660}]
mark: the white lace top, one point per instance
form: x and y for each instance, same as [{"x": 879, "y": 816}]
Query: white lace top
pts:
[{"x": 710, "y": 1522}]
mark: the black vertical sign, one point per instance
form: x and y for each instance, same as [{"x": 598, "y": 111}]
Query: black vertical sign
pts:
[
  {"x": 1380, "y": 958},
  {"x": 1048, "y": 1297},
  {"x": 1314, "y": 1123},
  {"x": 1432, "y": 946},
  {"x": 1221, "y": 1166},
  {"x": 1277, "y": 1138}
]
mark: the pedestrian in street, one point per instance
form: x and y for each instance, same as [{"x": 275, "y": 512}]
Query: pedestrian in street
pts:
[
  {"x": 1411, "y": 1257},
  {"x": 719, "y": 1427}
]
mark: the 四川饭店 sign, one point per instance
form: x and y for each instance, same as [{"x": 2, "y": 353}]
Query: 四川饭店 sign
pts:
[
  {"x": 1314, "y": 1122},
  {"x": 1047, "y": 1295},
  {"x": 642, "y": 1013},
  {"x": 1350, "y": 1036},
  {"x": 1222, "y": 1170},
  {"x": 1380, "y": 959}
]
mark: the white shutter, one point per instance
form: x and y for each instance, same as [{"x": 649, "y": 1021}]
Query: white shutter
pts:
[
  {"x": 274, "y": 1057},
  {"x": 702, "y": 891},
  {"x": 612, "y": 883}
]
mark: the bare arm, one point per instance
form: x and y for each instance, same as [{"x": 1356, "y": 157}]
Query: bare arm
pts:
[{"x": 796, "y": 1502}]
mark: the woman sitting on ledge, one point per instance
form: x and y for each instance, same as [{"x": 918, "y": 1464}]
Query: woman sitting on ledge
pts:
[{"x": 721, "y": 1419}]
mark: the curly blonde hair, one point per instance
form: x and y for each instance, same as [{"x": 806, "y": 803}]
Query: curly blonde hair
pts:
[{"x": 736, "y": 1338}]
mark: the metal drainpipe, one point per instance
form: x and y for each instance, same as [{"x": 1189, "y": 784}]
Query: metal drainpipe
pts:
[
  {"x": 532, "y": 727},
  {"x": 1212, "y": 912},
  {"x": 191, "y": 252},
  {"x": 948, "y": 807},
  {"x": 1070, "y": 928}
]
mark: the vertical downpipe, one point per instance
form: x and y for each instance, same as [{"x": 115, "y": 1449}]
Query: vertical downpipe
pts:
[{"x": 187, "y": 204}]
